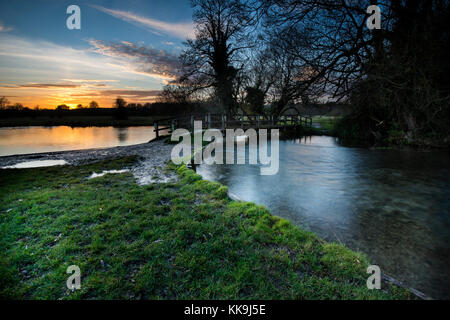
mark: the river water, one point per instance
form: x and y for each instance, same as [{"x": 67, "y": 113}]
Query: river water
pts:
[
  {"x": 392, "y": 205},
  {"x": 23, "y": 140}
]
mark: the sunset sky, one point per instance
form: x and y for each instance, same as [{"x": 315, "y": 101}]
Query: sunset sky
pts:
[{"x": 124, "y": 48}]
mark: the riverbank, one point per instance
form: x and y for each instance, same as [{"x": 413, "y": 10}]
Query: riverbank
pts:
[
  {"x": 151, "y": 167},
  {"x": 331, "y": 126},
  {"x": 183, "y": 239}
]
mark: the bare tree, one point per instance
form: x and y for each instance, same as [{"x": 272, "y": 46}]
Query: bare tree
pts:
[
  {"x": 120, "y": 103},
  {"x": 211, "y": 59},
  {"x": 258, "y": 80},
  {"x": 93, "y": 105},
  {"x": 280, "y": 76},
  {"x": 390, "y": 76},
  {"x": 62, "y": 107},
  {"x": 327, "y": 36},
  {"x": 3, "y": 102}
]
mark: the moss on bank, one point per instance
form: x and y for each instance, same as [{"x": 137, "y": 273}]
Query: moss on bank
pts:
[{"x": 183, "y": 240}]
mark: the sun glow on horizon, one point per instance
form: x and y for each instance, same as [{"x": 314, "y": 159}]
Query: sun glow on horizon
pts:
[{"x": 98, "y": 77}]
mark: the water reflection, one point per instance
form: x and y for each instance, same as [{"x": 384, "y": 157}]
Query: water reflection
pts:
[
  {"x": 23, "y": 140},
  {"x": 36, "y": 164},
  {"x": 122, "y": 134},
  {"x": 392, "y": 205}
]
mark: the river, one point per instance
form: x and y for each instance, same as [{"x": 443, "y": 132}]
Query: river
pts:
[
  {"x": 392, "y": 205},
  {"x": 24, "y": 140}
]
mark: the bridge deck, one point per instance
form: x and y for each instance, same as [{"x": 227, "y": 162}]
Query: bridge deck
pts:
[{"x": 222, "y": 122}]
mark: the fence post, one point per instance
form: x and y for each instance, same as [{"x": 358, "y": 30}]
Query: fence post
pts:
[
  {"x": 192, "y": 122},
  {"x": 209, "y": 120},
  {"x": 223, "y": 122},
  {"x": 155, "y": 127}
]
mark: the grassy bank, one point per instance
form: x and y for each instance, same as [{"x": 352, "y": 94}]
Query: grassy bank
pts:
[{"x": 162, "y": 241}]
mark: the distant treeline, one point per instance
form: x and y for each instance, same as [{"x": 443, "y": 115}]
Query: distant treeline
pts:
[
  {"x": 154, "y": 109},
  {"x": 159, "y": 109}
]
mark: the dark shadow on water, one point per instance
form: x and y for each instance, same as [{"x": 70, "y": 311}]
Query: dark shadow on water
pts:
[{"x": 122, "y": 134}]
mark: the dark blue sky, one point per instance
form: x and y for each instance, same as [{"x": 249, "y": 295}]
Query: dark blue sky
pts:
[{"x": 125, "y": 48}]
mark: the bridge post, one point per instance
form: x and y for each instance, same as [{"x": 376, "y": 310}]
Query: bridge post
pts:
[{"x": 155, "y": 128}]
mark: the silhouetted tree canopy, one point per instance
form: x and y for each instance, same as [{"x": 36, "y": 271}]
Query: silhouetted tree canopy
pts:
[
  {"x": 3, "y": 102},
  {"x": 396, "y": 78},
  {"x": 62, "y": 107},
  {"x": 211, "y": 61},
  {"x": 120, "y": 106},
  {"x": 120, "y": 103},
  {"x": 93, "y": 105}
]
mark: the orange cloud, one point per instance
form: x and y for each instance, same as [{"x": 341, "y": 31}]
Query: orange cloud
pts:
[
  {"x": 52, "y": 95},
  {"x": 45, "y": 74}
]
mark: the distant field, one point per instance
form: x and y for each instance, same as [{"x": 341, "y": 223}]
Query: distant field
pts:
[
  {"x": 79, "y": 121},
  {"x": 326, "y": 122}
]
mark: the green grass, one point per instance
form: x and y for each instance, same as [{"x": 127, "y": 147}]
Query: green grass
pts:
[
  {"x": 328, "y": 123},
  {"x": 183, "y": 240}
]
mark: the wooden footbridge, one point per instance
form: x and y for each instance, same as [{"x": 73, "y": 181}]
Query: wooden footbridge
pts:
[{"x": 223, "y": 122}]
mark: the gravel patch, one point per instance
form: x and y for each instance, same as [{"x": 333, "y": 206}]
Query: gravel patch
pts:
[{"x": 149, "y": 169}]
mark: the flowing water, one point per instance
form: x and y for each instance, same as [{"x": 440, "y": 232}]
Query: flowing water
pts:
[{"x": 392, "y": 205}]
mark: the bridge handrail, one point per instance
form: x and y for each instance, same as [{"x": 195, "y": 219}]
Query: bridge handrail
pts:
[{"x": 237, "y": 120}]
